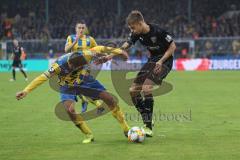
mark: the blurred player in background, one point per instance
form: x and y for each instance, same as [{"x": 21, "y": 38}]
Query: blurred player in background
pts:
[
  {"x": 161, "y": 47},
  {"x": 18, "y": 54},
  {"x": 79, "y": 42},
  {"x": 74, "y": 79}
]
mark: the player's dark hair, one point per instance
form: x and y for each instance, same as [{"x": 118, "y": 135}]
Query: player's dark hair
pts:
[
  {"x": 134, "y": 17},
  {"x": 80, "y": 22},
  {"x": 77, "y": 60}
]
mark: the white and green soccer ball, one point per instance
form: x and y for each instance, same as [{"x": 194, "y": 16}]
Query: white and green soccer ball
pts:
[{"x": 136, "y": 134}]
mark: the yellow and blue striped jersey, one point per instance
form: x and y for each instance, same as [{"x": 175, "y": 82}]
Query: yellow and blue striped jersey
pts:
[
  {"x": 84, "y": 43},
  {"x": 66, "y": 75}
]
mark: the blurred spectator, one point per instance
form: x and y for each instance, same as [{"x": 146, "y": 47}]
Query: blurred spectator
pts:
[
  {"x": 26, "y": 20},
  {"x": 209, "y": 19},
  {"x": 236, "y": 47},
  {"x": 7, "y": 28},
  {"x": 208, "y": 49},
  {"x": 184, "y": 53}
]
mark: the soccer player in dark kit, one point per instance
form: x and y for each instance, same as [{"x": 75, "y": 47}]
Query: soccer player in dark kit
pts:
[
  {"x": 161, "y": 47},
  {"x": 17, "y": 63}
]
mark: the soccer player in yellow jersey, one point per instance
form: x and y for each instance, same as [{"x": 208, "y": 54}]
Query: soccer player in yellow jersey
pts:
[
  {"x": 74, "y": 80},
  {"x": 79, "y": 42}
]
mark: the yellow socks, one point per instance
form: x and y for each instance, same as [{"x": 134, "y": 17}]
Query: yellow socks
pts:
[
  {"x": 82, "y": 125},
  {"x": 118, "y": 114}
]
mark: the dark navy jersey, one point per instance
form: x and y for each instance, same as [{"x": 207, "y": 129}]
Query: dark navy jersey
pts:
[
  {"x": 17, "y": 52},
  {"x": 156, "y": 40}
]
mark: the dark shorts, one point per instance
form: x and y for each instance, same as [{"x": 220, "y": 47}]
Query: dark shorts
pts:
[
  {"x": 90, "y": 87},
  {"x": 17, "y": 63},
  {"x": 147, "y": 71}
]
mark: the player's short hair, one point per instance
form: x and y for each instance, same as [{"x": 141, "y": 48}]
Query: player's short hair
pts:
[
  {"x": 80, "y": 22},
  {"x": 15, "y": 40},
  {"x": 134, "y": 17},
  {"x": 77, "y": 59}
]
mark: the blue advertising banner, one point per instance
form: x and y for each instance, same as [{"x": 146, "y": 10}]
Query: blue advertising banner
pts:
[{"x": 28, "y": 65}]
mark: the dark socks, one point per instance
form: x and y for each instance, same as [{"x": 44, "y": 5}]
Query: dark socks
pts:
[
  {"x": 145, "y": 108},
  {"x": 139, "y": 104},
  {"x": 148, "y": 105},
  {"x": 14, "y": 74},
  {"x": 25, "y": 75}
]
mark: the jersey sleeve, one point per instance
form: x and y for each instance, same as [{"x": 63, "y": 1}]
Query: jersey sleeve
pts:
[
  {"x": 68, "y": 41},
  {"x": 35, "y": 83},
  {"x": 105, "y": 49},
  {"x": 132, "y": 38},
  {"x": 93, "y": 42},
  {"x": 165, "y": 37},
  {"x": 54, "y": 70}
]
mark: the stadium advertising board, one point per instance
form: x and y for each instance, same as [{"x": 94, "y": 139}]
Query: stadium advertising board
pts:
[
  {"x": 28, "y": 65},
  {"x": 179, "y": 65},
  {"x": 207, "y": 64}
]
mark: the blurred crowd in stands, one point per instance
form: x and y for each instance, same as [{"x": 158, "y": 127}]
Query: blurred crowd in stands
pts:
[{"x": 106, "y": 19}]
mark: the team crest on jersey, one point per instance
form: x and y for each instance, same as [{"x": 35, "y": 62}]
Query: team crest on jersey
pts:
[
  {"x": 154, "y": 39},
  {"x": 51, "y": 70},
  {"x": 168, "y": 38}
]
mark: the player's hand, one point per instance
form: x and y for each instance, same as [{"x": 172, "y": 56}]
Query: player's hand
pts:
[
  {"x": 103, "y": 59},
  {"x": 21, "y": 95},
  {"x": 158, "y": 67},
  {"x": 124, "y": 55},
  {"x": 77, "y": 38}
]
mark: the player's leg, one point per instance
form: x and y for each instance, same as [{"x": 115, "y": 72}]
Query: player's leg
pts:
[
  {"x": 98, "y": 103},
  {"x": 153, "y": 79},
  {"x": 95, "y": 102},
  {"x": 148, "y": 106},
  {"x": 137, "y": 99},
  {"x": 86, "y": 100},
  {"x": 95, "y": 90},
  {"x": 23, "y": 72},
  {"x": 136, "y": 88},
  {"x": 13, "y": 73},
  {"x": 69, "y": 101},
  {"x": 84, "y": 103},
  {"x": 14, "y": 65},
  {"x": 116, "y": 111}
]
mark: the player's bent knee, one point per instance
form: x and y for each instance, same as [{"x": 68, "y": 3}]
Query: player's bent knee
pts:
[
  {"x": 111, "y": 102},
  {"x": 69, "y": 106},
  {"x": 108, "y": 99},
  {"x": 134, "y": 90},
  {"x": 147, "y": 89}
]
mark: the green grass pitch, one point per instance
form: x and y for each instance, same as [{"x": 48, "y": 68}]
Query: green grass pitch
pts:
[{"x": 31, "y": 131}]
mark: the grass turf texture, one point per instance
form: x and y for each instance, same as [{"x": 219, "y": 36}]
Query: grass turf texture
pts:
[{"x": 31, "y": 131}]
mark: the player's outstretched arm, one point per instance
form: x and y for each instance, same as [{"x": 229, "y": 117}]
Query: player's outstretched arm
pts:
[
  {"x": 54, "y": 70},
  {"x": 32, "y": 85},
  {"x": 109, "y": 50},
  {"x": 125, "y": 46},
  {"x": 111, "y": 53}
]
